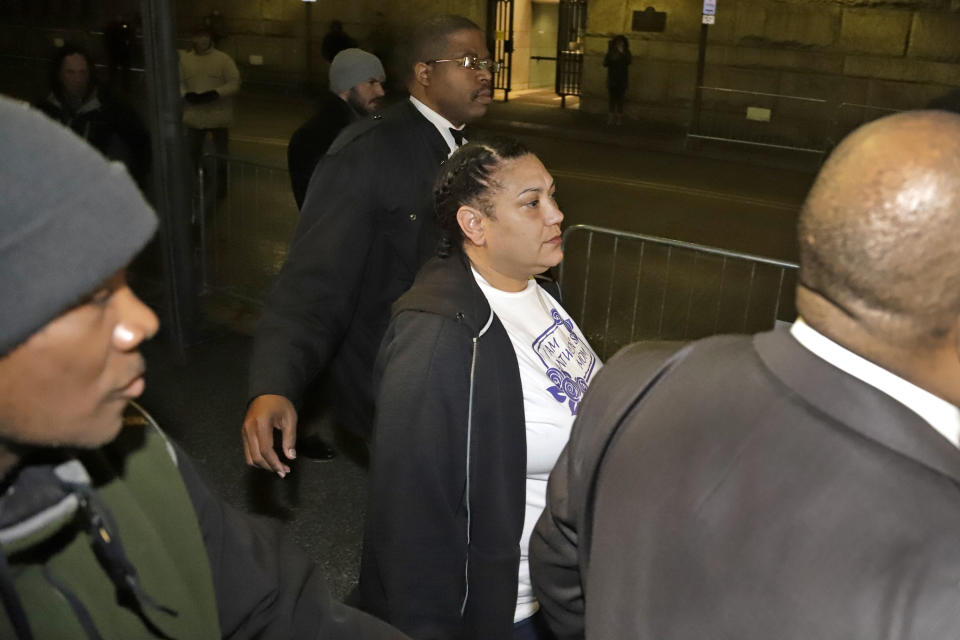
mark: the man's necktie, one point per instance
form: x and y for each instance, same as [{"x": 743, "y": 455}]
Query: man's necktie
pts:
[{"x": 457, "y": 136}]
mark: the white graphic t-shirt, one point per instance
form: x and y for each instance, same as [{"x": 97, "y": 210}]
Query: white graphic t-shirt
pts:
[{"x": 556, "y": 365}]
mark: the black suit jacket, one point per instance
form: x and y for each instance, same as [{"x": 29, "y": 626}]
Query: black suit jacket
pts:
[
  {"x": 746, "y": 489},
  {"x": 355, "y": 250}
]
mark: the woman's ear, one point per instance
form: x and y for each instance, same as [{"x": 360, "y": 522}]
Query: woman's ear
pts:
[
  {"x": 473, "y": 224},
  {"x": 421, "y": 73}
]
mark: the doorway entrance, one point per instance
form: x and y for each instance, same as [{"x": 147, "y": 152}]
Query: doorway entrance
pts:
[
  {"x": 540, "y": 43},
  {"x": 501, "y": 38}
]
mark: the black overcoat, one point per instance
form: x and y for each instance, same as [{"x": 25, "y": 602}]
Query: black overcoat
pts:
[{"x": 356, "y": 249}]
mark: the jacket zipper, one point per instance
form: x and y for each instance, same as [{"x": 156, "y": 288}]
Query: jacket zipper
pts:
[{"x": 473, "y": 369}]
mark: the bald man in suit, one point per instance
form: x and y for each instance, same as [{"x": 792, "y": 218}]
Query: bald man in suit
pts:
[{"x": 796, "y": 484}]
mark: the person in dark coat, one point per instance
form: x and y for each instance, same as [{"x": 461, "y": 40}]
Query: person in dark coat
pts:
[
  {"x": 795, "y": 484},
  {"x": 111, "y": 127},
  {"x": 335, "y": 41},
  {"x": 617, "y": 61},
  {"x": 356, "y": 87},
  {"x": 106, "y": 528},
  {"x": 358, "y": 242},
  {"x": 478, "y": 381}
]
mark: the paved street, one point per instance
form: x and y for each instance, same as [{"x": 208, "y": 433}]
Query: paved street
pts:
[
  {"x": 734, "y": 199},
  {"x": 625, "y": 178}
]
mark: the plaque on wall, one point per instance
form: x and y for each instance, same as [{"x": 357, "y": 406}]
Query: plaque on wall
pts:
[{"x": 649, "y": 20}]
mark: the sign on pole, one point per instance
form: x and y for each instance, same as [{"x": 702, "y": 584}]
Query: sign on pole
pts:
[
  {"x": 709, "y": 15},
  {"x": 709, "y": 11}
]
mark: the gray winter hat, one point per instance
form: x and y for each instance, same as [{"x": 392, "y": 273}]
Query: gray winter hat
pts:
[
  {"x": 70, "y": 220},
  {"x": 350, "y": 67}
]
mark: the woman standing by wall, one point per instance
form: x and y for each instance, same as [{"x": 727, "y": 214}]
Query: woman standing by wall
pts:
[{"x": 617, "y": 61}]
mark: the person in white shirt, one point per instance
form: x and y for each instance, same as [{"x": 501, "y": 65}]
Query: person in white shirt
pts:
[
  {"x": 795, "y": 484},
  {"x": 208, "y": 81},
  {"x": 480, "y": 376}
]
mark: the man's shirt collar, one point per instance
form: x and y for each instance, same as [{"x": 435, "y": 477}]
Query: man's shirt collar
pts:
[
  {"x": 442, "y": 124},
  {"x": 940, "y": 414}
]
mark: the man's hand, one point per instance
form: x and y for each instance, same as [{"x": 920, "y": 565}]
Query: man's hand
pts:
[
  {"x": 208, "y": 96},
  {"x": 266, "y": 413},
  {"x": 201, "y": 98}
]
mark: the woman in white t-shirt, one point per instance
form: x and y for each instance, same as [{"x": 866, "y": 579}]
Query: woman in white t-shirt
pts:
[{"x": 479, "y": 379}]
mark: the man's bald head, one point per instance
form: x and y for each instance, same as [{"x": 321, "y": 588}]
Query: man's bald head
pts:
[{"x": 880, "y": 230}]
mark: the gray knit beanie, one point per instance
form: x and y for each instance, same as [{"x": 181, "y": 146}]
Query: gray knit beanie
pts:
[
  {"x": 350, "y": 67},
  {"x": 70, "y": 220}
]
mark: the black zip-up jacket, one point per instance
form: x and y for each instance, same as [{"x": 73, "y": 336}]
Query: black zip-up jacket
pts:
[{"x": 442, "y": 542}]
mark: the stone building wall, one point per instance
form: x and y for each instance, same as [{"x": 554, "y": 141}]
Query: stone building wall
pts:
[
  {"x": 274, "y": 30},
  {"x": 896, "y": 54}
]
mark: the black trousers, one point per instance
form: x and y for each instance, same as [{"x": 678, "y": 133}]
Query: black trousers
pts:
[
  {"x": 195, "y": 141},
  {"x": 616, "y": 95}
]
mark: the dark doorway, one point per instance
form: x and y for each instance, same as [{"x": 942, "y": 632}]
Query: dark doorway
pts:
[
  {"x": 572, "y": 26},
  {"x": 500, "y": 34}
]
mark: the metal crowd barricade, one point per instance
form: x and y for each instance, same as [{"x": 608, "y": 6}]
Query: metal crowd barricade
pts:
[
  {"x": 770, "y": 120},
  {"x": 623, "y": 287},
  {"x": 619, "y": 286},
  {"x": 245, "y": 216},
  {"x": 850, "y": 115}
]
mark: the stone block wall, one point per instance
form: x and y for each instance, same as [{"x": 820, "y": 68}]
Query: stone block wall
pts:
[
  {"x": 898, "y": 55},
  {"x": 276, "y": 29},
  {"x": 273, "y": 31},
  {"x": 522, "y": 25},
  {"x": 543, "y": 42}
]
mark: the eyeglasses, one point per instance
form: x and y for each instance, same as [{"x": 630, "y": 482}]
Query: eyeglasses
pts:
[{"x": 474, "y": 62}]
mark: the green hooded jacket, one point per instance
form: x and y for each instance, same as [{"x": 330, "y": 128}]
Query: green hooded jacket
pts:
[{"x": 127, "y": 542}]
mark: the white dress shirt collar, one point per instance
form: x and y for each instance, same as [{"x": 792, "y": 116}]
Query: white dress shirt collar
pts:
[
  {"x": 942, "y": 416},
  {"x": 442, "y": 124}
]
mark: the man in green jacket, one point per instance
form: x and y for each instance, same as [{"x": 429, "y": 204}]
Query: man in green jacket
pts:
[{"x": 106, "y": 529}]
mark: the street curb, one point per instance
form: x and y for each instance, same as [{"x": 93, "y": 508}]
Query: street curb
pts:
[
  {"x": 674, "y": 146},
  {"x": 582, "y": 135}
]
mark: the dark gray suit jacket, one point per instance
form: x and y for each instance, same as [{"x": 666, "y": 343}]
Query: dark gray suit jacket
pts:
[
  {"x": 357, "y": 247},
  {"x": 747, "y": 490}
]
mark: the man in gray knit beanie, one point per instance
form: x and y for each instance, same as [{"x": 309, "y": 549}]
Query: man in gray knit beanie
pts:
[
  {"x": 106, "y": 528},
  {"x": 357, "y": 77},
  {"x": 356, "y": 88}
]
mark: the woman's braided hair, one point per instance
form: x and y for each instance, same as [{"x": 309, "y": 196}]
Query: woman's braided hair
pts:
[{"x": 467, "y": 179}]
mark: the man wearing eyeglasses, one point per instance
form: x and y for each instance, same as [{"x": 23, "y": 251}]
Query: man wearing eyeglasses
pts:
[{"x": 365, "y": 227}]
